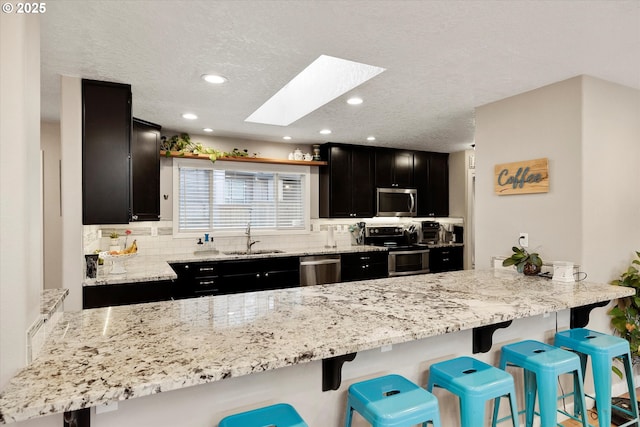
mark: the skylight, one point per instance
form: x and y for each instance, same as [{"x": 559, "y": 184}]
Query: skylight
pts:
[{"x": 322, "y": 81}]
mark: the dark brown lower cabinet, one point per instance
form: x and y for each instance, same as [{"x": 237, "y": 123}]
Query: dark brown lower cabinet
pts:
[
  {"x": 127, "y": 293},
  {"x": 446, "y": 259},
  {"x": 230, "y": 277},
  {"x": 364, "y": 265}
]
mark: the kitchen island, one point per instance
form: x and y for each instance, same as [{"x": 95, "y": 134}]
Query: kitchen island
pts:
[{"x": 120, "y": 353}]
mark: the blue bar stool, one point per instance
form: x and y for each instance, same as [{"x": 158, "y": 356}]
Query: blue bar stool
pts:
[
  {"x": 279, "y": 415},
  {"x": 392, "y": 401},
  {"x": 474, "y": 382},
  {"x": 543, "y": 364},
  {"x": 602, "y": 348}
]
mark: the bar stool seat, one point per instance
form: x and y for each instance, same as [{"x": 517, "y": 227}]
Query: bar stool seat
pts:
[
  {"x": 278, "y": 415},
  {"x": 602, "y": 348},
  {"x": 392, "y": 401},
  {"x": 474, "y": 382},
  {"x": 543, "y": 364}
]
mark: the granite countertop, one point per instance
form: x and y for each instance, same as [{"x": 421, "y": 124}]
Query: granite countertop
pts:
[
  {"x": 50, "y": 300},
  {"x": 149, "y": 268},
  {"x": 117, "y": 353}
]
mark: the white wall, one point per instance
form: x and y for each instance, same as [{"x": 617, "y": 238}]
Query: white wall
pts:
[
  {"x": 545, "y": 122},
  {"x": 610, "y": 178},
  {"x": 20, "y": 187},
  {"x": 50, "y": 143},
  {"x": 71, "y": 154},
  {"x": 589, "y": 129}
]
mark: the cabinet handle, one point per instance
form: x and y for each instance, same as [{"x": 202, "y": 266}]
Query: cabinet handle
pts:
[
  {"x": 134, "y": 217},
  {"x": 266, "y": 274},
  {"x": 207, "y": 268},
  {"x": 257, "y": 275},
  {"x": 445, "y": 259},
  {"x": 186, "y": 267},
  {"x": 207, "y": 282}
]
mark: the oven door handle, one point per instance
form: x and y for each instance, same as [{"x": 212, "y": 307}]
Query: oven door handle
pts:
[{"x": 422, "y": 251}]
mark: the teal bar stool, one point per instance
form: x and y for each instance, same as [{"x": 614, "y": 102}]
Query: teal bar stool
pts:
[
  {"x": 392, "y": 401},
  {"x": 279, "y": 415},
  {"x": 543, "y": 364},
  {"x": 602, "y": 348},
  {"x": 474, "y": 382}
]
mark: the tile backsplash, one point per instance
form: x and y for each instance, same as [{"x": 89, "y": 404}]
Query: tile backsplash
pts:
[{"x": 156, "y": 237}]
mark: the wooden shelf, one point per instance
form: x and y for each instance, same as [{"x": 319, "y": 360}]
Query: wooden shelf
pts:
[{"x": 243, "y": 159}]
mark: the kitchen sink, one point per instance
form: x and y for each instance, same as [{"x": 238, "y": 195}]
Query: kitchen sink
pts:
[{"x": 255, "y": 252}]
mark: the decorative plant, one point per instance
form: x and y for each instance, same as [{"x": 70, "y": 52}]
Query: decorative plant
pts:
[
  {"x": 625, "y": 316},
  {"x": 525, "y": 262},
  {"x": 114, "y": 235},
  {"x": 183, "y": 144}
]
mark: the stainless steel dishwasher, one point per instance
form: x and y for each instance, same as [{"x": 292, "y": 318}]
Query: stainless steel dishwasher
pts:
[{"x": 319, "y": 270}]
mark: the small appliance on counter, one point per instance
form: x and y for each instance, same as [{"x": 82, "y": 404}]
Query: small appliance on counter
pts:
[{"x": 429, "y": 234}]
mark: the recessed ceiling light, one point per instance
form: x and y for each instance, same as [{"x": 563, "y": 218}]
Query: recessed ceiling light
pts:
[
  {"x": 371, "y": 138},
  {"x": 354, "y": 101},
  {"x": 207, "y": 130},
  {"x": 321, "y": 82},
  {"x": 189, "y": 116},
  {"x": 214, "y": 78},
  {"x": 325, "y": 131},
  {"x": 286, "y": 137}
]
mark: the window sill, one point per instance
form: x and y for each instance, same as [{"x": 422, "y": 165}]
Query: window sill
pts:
[{"x": 242, "y": 159}]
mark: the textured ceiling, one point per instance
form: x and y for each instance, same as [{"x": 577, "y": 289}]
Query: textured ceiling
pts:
[{"x": 442, "y": 59}]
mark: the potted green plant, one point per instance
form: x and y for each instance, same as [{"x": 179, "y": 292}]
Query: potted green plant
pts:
[
  {"x": 625, "y": 316},
  {"x": 525, "y": 262}
]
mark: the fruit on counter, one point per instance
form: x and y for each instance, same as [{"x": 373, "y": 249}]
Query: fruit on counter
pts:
[{"x": 130, "y": 250}]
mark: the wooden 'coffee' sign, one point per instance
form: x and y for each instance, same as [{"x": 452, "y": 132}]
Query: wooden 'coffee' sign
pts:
[{"x": 530, "y": 176}]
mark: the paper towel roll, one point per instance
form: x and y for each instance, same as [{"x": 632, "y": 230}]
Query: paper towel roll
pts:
[{"x": 331, "y": 241}]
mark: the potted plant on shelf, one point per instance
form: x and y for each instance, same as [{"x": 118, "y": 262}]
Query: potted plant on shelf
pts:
[
  {"x": 625, "y": 316},
  {"x": 525, "y": 262},
  {"x": 114, "y": 243}
]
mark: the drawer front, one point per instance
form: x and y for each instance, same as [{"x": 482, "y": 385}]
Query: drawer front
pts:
[{"x": 362, "y": 258}]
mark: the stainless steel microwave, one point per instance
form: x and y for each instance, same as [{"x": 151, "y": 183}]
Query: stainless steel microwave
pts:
[{"x": 396, "y": 201}]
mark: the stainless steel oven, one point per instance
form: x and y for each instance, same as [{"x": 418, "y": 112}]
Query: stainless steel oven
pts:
[
  {"x": 413, "y": 260},
  {"x": 405, "y": 257}
]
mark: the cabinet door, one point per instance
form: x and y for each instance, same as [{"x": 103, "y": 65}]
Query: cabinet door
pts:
[
  {"x": 431, "y": 178},
  {"x": 439, "y": 184},
  {"x": 385, "y": 161},
  {"x": 364, "y": 265},
  {"x": 361, "y": 182},
  {"x": 126, "y": 293},
  {"x": 340, "y": 183},
  {"x": 393, "y": 168},
  {"x": 145, "y": 161},
  {"x": 106, "y": 137},
  {"x": 403, "y": 168}
]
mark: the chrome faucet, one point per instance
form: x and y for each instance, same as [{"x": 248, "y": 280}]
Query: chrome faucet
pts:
[{"x": 250, "y": 242}]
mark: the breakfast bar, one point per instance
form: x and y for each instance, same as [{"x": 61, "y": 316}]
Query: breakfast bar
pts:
[{"x": 111, "y": 354}]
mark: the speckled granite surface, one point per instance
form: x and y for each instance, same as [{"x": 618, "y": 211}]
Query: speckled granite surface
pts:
[
  {"x": 51, "y": 299},
  {"x": 143, "y": 268},
  {"x": 117, "y": 353}
]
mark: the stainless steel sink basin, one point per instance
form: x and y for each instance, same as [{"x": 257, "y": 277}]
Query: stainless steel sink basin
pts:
[
  {"x": 206, "y": 252},
  {"x": 255, "y": 252}
]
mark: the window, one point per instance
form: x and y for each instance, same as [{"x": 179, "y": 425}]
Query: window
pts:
[{"x": 225, "y": 197}]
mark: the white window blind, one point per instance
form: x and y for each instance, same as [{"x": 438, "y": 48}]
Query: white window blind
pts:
[{"x": 221, "y": 199}]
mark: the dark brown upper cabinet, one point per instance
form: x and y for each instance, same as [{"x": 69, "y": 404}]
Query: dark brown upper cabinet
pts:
[
  {"x": 431, "y": 176},
  {"x": 347, "y": 182},
  {"x": 106, "y": 140},
  {"x": 145, "y": 171},
  {"x": 394, "y": 168}
]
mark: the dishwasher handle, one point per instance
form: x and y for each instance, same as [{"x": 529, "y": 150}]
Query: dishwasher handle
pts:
[{"x": 321, "y": 262}]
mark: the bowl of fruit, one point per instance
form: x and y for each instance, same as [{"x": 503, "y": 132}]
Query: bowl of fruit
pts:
[{"x": 119, "y": 257}]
